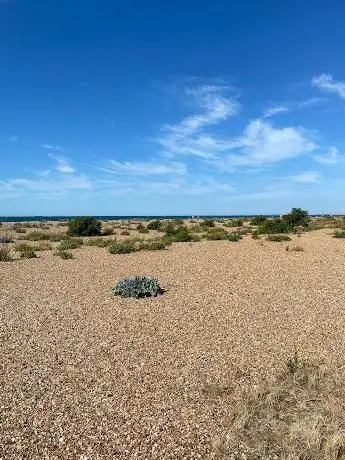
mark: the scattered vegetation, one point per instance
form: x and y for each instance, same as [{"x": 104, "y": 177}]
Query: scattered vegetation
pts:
[
  {"x": 339, "y": 234},
  {"x": 44, "y": 246},
  {"x": 71, "y": 243},
  {"x": 215, "y": 234},
  {"x": 28, "y": 253},
  {"x": 258, "y": 220},
  {"x": 278, "y": 238},
  {"x": 125, "y": 233},
  {"x": 84, "y": 226},
  {"x": 142, "y": 229},
  {"x": 100, "y": 242},
  {"x": 288, "y": 223},
  {"x": 107, "y": 231},
  {"x": 179, "y": 234},
  {"x": 122, "y": 248},
  {"x": 5, "y": 254},
  {"x": 153, "y": 245},
  {"x": 19, "y": 230},
  {"x": 207, "y": 223},
  {"x": 37, "y": 236},
  {"x": 138, "y": 287},
  {"x": 155, "y": 225},
  {"x": 55, "y": 237},
  {"x": 234, "y": 237},
  {"x": 294, "y": 248}
]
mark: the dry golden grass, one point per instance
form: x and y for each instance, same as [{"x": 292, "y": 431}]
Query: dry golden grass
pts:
[{"x": 197, "y": 373}]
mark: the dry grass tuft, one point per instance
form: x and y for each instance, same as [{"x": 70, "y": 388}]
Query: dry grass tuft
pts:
[{"x": 297, "y": 415}]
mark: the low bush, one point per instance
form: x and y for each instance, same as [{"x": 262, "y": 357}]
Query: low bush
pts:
[
  {"x": 99, "y": 242},
  {"x": 122, "y": 248},
  {"x": 70, "y": 244},
  {"x": 138, "y": 287},
  {"x": 56, "y": 237},
  {"x": 207, "y": 223},
  {"x": 155, "y": 225},
  {"x": 274, "y": 226},
  {"x": 125, "y": 233},
  {"x": 278, "y": 238},
  {"x": 5, "y": 254},
  {"x": 64, "y": 254},
  {"x": 44, "y": 246},
  {"x": 258, "y": 220},
  {"x": 180, "y": 234},
  {"x": 294, "y": 249},
  {"x": 215, "y": 234},
  {"x": 37, "y": 236},
  {"x": 339, "y": 234},
  {"x": 234, "y": 237},
  {"x": 5, "y": 240},
  {"x": 84, "y": 226},
  {"x": 28, "y": 253}
]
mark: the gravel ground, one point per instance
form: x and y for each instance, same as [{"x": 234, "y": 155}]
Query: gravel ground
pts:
[{"x": 86, "y": 375}]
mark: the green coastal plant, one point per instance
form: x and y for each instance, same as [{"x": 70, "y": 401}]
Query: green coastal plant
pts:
[
  {"x": 138, "y": 287},
  {"x": 84, "y": 226},
  {"x": 122, "y": 248},
  {"x": 5, "y": 254},
  {"x": 278, "y": 238}
]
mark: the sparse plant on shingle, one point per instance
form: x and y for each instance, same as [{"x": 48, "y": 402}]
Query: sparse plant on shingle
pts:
[
  {"x": 84, "y": 226},
  {"x": 5, "y": 240},
  {"x": 122, "y": 248},
  {"x": 138, "y": 287},
  {"x": 278, "y": 238},
  {"x": 65, "y": 255},
  {"x": 5, "y": 254},
  {"x": 71, "y": 243}
]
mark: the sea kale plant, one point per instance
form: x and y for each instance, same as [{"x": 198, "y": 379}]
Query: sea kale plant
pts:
[{"x": 138, "y": 287}]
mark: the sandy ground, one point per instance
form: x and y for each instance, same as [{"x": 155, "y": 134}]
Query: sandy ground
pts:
[{"x": 86, "y": 375}]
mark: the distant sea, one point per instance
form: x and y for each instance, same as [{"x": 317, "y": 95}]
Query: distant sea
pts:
[{"x": 195, "y": 216}]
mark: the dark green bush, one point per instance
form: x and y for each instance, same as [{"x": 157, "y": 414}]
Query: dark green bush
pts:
[
  {"x": 43, "y": 246},
  {"x": 84, "y": 226},
  {"x": 274, "y": 226},
  {"x": 138, "y": 287},
  {"x": 278, "y": 238},
  {"x": 234, "y": 237},
  {"x": 155, "y": 225},
  {"x": 296, "y": 217},
  {"x": 122, "y": 248},
  {"x": 258, "y": 220},
  {"x": 180, "y": 234},
  {"x": 339, "y": 234}
]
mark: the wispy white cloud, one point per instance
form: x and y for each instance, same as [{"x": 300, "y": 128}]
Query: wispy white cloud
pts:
[
  {"x": 332, "y": 157},
  {"x": 145, "y": 168},
  {"x": 275, "y": 110},
  {"x": 261, "y": 143},
  {"x": 308, "y": 177},
  {"x": 325, "y": 82},
  {"x": 55, "y": 148},
  {"x": 188, "y": 137},
  {"x": 62, "y": 165},
  {"x": 310, "y": 102}
]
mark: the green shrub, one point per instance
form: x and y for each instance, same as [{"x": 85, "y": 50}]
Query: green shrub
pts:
[
  {"x": 36, "y": 236},
  {"x": 138, "y": 287},
  {"x": 255, "y": 235},
  {"x": 339, "y": 234},
  {"x": 125, "y": 233},
  {"x": 236, "y": 222},
  {"x": 207, "y": 223},
  {"x": 258, "y": 220},
  {"x": 70, "y": 244},
  {"x": 278, "y": 238},
  {"x": 274, "y": 226},
  {"x": 180, "y": 235},
  {"x": 22, "y": 247},
  {"x": 5, "y": 254},
  {"x": 28, "y": 253},
  {"x": 234, "y": 237},
  {"x": 84, "y": 226},
  {"x": 296, "y": 216},
  {"x": 122, "y": 248},
  {"x": 215, "y": 234},
  {"x": 155, "y": 225},
  {"x": 63, "y": 254}
]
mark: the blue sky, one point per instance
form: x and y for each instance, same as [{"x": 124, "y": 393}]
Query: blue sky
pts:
[{"x": 171, "y": 107}]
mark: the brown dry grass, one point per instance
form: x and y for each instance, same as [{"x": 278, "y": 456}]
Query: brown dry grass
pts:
[{"x": 198, "y": 373}]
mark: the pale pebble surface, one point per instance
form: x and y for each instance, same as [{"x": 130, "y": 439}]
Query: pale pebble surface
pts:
[{"x": 86, "y": 375}]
